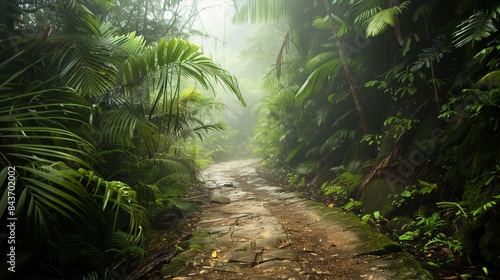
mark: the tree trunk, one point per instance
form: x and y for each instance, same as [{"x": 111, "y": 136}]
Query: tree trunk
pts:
[{"x": 350, "y": 80}]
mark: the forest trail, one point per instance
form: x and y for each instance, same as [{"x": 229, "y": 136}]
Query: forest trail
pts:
[{"x": 252, "y": 229}]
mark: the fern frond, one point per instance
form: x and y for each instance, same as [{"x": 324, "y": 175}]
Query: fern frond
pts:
[{"x": 337, "y": 139}]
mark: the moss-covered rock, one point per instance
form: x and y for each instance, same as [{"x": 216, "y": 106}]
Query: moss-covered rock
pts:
[
  {"x": 194, "y": 246},
  {"x": 488, "y": 244},
  {"x": 376, "y": 197}
]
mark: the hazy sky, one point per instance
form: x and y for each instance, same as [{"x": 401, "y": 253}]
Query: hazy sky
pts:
[{"x": 226, "y": 39}]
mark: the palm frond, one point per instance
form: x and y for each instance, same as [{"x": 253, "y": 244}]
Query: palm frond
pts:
[
  {"x": 120, "y": 198},
  {"x": 325, "y": 24},
  {"x": 49, "y": 198},
  {"x": 337, "y": 139},
  {"x": 174, "y": 59},
  {"x": 425, "y": 10},
  {"x": 77, "y": 16},
  {"x": 477, "y": 26},
  {"x": 37, "y": 126},
  {"x": 203, "y": 129},
  {"x": 254, "y": 11},
  {"x": 379, "y": 23},
  {"x": 120, "y": 127},
  {"x": 88, "y": 63},
  {"x": 363, "y": 10},
  {"x": 319, "y": 77}
]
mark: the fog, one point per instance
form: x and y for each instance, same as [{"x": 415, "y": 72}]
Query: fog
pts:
[{"x": 236, "y": 48}]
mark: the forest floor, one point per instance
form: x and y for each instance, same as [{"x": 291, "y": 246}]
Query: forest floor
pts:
[{"x": 251, "y": 227}]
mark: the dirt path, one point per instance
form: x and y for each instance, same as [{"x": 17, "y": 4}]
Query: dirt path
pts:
[{"x": 252, "y": 229}]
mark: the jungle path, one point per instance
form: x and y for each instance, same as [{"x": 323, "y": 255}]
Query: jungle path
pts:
[{"x": 252, "y": 229}]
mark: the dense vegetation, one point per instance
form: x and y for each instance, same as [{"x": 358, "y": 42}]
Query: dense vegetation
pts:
[
  {"x": 391, "y": 108},
  {"x": 95, "y": 105},
  {"x": 386, "y": 108}
]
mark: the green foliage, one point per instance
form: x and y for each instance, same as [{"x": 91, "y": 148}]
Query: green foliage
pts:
[
  {"x": 120, "y": 198},
  {"x": 87, "y": 117},
  {"x": 398, "y": 125},
  {"x": 410, "y": 235},
  {"x": 296, "y": 181},
  {"x": 447, "y": 58},
  {"x": 460, "y": 213},
  {"x": 423, "y": 227},
  {"x": 384, "y": 18},
  {"x": 343, "y": 184},
  {"x": 410, "y": 192},
  {"x": 432, "y": 54},
  {"x": 374, "y": 219},
  {"x": 431, "y": 225},
  {"x": 372, "y": 139},
  {"x": 455, "y": 245},
  {"x": 477, "y": 26},
  {"x": 351, "y": 205}
]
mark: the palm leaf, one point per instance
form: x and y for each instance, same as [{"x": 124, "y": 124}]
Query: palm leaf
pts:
[
  {"x": 173, "y": 58},
  {"x": 426, "y": 9},
  {"x": 379, "y": 23},
  {"x": 363, "y": 10},
  {"x": 490, "y": 80},
  {"x": 121, "y": 198},
  {"x": 50, "y": 196},
  {"x": 336, "y": 139},
  {"x": 319, "y": 77},
  {"x": 261, "y": 11},
  {"x": 120, "y": 127},
  {"x": 89, "y": 64},
  {"x": 36, "y": 126},
  {"x": 477, "y": 26},
  {"x": 324, "y": 24}
]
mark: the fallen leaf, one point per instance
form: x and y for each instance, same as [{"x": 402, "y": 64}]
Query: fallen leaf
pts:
[{"x": 215, "y": 254}]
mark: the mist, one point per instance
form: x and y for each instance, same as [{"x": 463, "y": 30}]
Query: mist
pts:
[{"x": 247, "y": 51}]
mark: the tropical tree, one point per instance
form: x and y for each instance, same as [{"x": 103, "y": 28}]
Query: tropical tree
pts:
[
  {"x": 421, "y": 67},
  {"x": 80, "y": 104}
]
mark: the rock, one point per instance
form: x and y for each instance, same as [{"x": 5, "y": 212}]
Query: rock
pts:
[{"x": 220, "y": 199}]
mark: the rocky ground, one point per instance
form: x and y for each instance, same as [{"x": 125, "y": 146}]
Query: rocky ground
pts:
[{"x": 253, "y": 228}]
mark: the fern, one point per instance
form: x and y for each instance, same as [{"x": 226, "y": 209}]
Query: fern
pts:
[
  {"x": 336, "y": 139},
  {"x": 344, "y": 184}
]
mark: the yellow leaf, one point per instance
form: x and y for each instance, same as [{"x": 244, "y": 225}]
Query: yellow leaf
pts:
[
  {"x": 331, "y": 205},
  {"x": 214, "y": 254}
]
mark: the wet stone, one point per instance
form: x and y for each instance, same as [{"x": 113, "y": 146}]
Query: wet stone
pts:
[
  {"x": 220, "y": 199},
  {"x": 244, "y": 240}
]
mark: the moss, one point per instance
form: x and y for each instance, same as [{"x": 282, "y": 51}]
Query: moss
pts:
[
  {"x": 374, "y": 242},
  {"x": 488, "y": 244},
  {"x": 408, "y": 268},
  {"x": 197, "y": 242},
  {"x": 179, "y": 262},
  {"x": 172, "y": 270},
  {"x": 376, "y": 195},
  {"x": 200, "y": 233}
]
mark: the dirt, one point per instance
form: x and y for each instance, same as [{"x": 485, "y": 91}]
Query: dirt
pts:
[
  {"x": 311, "y": 239},
  {"x": 254, "y": 228}
]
